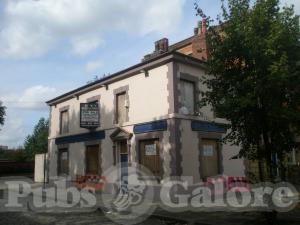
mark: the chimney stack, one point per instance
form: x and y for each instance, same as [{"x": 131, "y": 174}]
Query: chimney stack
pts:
[
  {"x": 204, "y": 27},
  {"x": 162, "y": 45},
  {"x": 199, "y": 48}
]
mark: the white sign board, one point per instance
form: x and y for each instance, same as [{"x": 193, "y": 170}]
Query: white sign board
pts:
[
  {"x": 89, "y": 115},
  {"x": 150, "y": 149},
  {"x": 208, "y": 150}
]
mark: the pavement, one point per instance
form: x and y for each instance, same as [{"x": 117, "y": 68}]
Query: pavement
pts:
[
  {"x": 77, "y": 215},
  {"x": 92, "y": 218},
  {"x": 227, "y": 218}
]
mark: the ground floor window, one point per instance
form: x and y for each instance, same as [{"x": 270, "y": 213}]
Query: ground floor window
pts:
[
  {"x": 149, "y": 156},
  {"x": 209, "y": 158},
  {"x": 92, "y": 160},
  {"x": 63, "y": 162}
]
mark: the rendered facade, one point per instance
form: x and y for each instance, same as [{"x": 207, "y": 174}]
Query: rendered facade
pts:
[{"x": 149, "y": 114}]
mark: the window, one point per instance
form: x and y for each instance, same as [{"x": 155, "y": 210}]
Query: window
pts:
[
  {"x": 92, "y": 160},
  {"x": 64, "y": 122},
  {"x": 149, "y": 156},
  {"x": 121, "y": 108},
  {"x": 63, "y": 162},
  {"x": 187, "y": 91}
]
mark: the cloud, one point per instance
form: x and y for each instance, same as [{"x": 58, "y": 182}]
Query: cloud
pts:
[
  {"x": 13, "y": 132},
  {"x": 82, "y": 46},
  {"x": 22, "y": 112},
  {"x": 32, "y": 98},
  {"x": 93, "y": 66},
  {"x": 32, "y": 28}
]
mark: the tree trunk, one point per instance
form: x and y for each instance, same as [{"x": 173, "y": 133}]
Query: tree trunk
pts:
[{"x": 270, "y": 216}]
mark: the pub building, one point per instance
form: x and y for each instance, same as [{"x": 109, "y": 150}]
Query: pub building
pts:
[{"x": 148, "y": 114}]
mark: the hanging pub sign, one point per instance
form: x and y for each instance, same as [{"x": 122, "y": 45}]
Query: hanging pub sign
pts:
[{"x": 89, "y": 115}]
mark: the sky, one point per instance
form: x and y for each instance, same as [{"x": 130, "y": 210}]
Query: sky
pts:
[{"x": 49, "y": 47}]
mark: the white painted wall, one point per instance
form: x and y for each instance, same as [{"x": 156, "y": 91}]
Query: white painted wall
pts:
[
  {"x": 107, "y": 152},
  {"x": 52, "y": 154},
  {"x": 189, "y": 151},
  {"x": 76, "y": 159},
  {"x": 148, "y": 99},
  {"x": 40, "y": 162}
]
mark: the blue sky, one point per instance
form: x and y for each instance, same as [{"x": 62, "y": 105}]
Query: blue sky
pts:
[{"x": 48, "y": 47}]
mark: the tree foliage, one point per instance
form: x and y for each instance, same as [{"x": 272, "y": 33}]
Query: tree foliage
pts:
[
  {"x": 17, "y": 154},
  {"x": 254, "y": 65},
  {"x": 2, "y": 113},
  {"x": 38, "y": 141}
]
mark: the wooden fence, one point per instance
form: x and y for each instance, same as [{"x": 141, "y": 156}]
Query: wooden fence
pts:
[{"x": 12, "y": 168}]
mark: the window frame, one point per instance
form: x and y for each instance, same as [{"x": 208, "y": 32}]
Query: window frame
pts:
[
  {"x": 194, "y": 94},
  {"x": 118, "y": 105},
  {"x": 61, "y": 131},
  {"x": 122, "y": 89}
]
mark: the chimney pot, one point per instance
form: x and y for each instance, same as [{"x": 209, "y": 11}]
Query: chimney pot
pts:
[
  {"x": 195, "y": 30},
  {"x": 199, "y": 25}
]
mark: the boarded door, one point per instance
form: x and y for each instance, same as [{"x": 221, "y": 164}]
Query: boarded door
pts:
[
  {"x": 92, "y": 160},
  {"x": 63, "y": 162},
  {"x": 149, "y": 156},
  {"x": 209, "y": 158}
]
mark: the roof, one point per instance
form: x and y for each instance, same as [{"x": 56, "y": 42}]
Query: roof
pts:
[
  {"x": 145, "y": 65},
  {"x": 181, "y": 44}
]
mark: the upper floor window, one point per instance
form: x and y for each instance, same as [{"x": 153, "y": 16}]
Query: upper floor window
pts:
[
  {"x": 121, "y": 108},
  {"x": 187, "y": 92},
  {"x": 64, "y": 122}
]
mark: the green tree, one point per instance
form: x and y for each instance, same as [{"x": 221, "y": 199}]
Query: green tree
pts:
[
  {"x": 2, "y": 113},
  {"x": 17, "y": 154},
  {"x": 38, "y": 141},
  {"x": 254, "y": 65}
]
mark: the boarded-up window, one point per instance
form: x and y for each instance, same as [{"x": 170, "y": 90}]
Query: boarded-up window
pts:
[
  {"x": 64, "y": 122},
  {"x": 187, "y": 92},
  {"x": 63, "y": 162},
  {"x": 92, "y": 160},
  {"x": 149, "y": 156},
  {"x": 121, "y": 108}
]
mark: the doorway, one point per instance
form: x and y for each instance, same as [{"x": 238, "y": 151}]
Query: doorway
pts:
[
  {"x": 92, "y": 160},
  {"x": 209, "y": 158},
  {"x": 123, "y": 160},
  {"x": 149, "y": 156}
]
